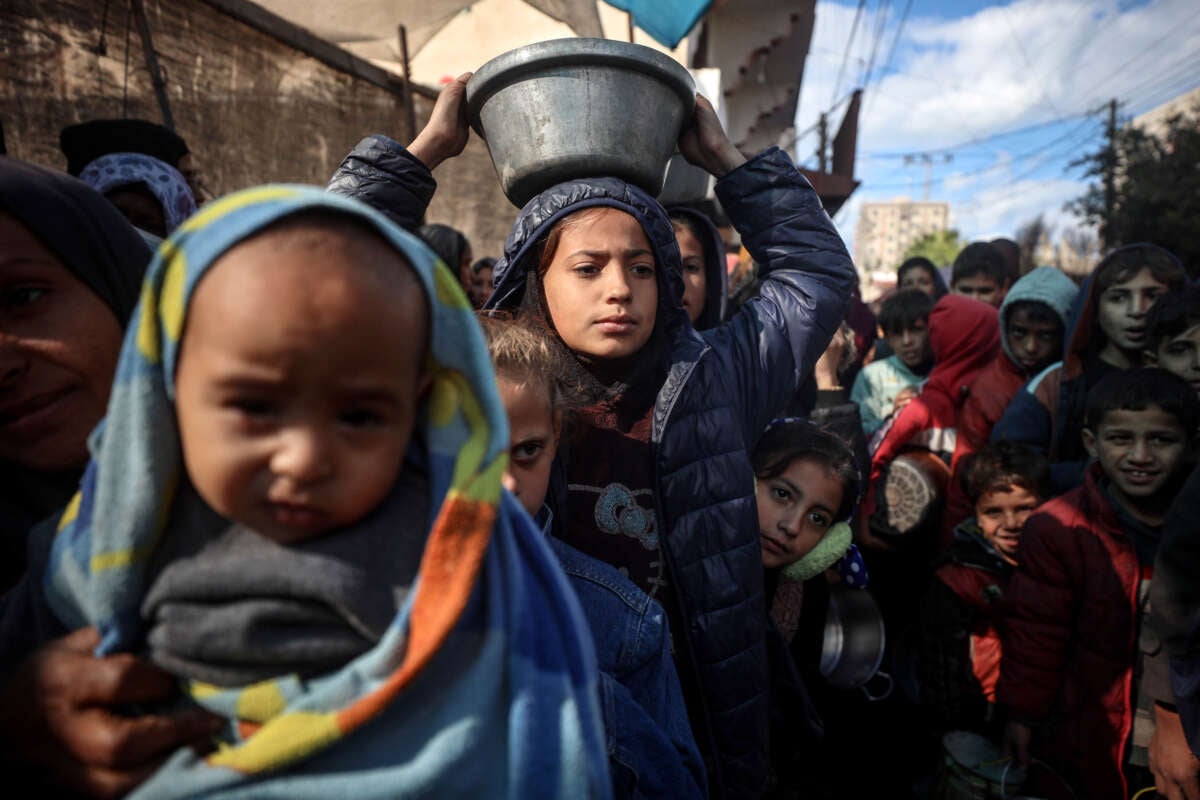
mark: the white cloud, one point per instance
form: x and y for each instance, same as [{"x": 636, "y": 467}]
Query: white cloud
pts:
[{"x": 1000, "y": 69}]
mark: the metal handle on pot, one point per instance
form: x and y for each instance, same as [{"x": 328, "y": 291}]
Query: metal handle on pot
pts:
[{"x": 888, "y": 682}]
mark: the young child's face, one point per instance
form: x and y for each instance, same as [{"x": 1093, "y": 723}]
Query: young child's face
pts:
[
  {"x": 1121, "y": 312},
  {"x": 911, "y": 345},
  {"x": 918, "y": 278},
  {"x": 480, "y": 286},
  {"x": 533, "y": 440},
  {"x": 299, "y": 379},
  {"x": 601, "y": 288},
  {"x": 1139, "y": 451},
  {"x": 1001, "y": 516},
  {"x": 694, "y": 280},
  {"x": 1036, "y": 344},
  {"x": 1181, "y": 355},
  {"x": 983, "y": 288},
  {"x": 795, "y": 510}
]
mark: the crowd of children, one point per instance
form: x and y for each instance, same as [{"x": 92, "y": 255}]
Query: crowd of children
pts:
[{"x": 350, "y": 511}]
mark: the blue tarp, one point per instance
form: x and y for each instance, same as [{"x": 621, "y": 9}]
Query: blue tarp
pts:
[{"x": 667, "y": 21}]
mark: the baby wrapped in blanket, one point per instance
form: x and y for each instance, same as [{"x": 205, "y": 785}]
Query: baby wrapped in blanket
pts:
[{"x": 295, "y": 504}]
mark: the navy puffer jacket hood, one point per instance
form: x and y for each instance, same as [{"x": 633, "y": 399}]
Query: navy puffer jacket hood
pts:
[{"x": 522, "y": 248}]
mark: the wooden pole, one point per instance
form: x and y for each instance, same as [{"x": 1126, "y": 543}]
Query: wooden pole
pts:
[
  {"x": 156, "y": 77},
  {"x": 409, "y": 106}
]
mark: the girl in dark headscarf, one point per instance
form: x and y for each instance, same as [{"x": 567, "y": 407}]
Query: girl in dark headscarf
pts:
[
  {"x": 452, "y": 247},
  {"x": 151, "y": 194},
  {"x": 70, "y": 274}
]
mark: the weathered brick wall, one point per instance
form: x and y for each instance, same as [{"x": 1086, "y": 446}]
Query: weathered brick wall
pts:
[{"x": 252, "y": 106}]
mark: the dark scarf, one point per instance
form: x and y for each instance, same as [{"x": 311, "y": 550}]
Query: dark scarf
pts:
[{"x": 92, "y": 240}]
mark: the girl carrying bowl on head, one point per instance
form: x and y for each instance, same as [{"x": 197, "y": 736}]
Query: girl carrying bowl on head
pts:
[{"x": 659, "y": 481}]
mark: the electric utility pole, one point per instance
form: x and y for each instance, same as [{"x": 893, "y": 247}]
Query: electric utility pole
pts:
[{"x": 1110, "y": 174}]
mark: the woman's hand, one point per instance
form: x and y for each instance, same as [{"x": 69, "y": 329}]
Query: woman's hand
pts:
[
  {"x": 446, "y": 133},
  {"x": 703, "y": 142},
  {"x": 61, "y": 711}
]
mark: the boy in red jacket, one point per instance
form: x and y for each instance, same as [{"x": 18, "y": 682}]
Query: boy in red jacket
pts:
[
  {"x": 960, "y": 617},
  {"x": 1080, "y": 668}
]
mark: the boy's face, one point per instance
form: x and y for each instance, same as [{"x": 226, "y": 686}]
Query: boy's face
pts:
[
  {"x": 981, "y": 287},
  {"x": 1140, "y": 452},
  {"x": 1121, "y": 312},
  {"x": 533, "y": 441},
  {"x": 795, "y": 510},
  {"x": 601, "y": 286},
  {"x": 1035, "y": 344},
  {"x": 911, "y": 345},
  {"x": 1001, "y": 516},
  {"x": 1181, "y": 355},
  {"x": 299, "y": 379}
]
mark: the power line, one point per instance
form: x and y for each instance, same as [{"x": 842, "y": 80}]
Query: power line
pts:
[
  {"x": 981, "y": 140},
  {"x": 1019, "y": 158},
  {"x": 1150, "y": 49},
  {"x": 892, "y": 50},
  {"x": 1012, "y": 34},
  {"x": 846, "y": 53},
  {"x": 881, "y": 15}
]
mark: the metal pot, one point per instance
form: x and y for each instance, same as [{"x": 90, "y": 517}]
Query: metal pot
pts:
[
  {"x": 578, "y": 108},
  {"x": 854, "y": 641}
]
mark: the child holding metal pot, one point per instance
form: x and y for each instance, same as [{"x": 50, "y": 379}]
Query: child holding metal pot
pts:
[
  {"x": 659, "y": 482},
  {"x": 808, "y": 487}
]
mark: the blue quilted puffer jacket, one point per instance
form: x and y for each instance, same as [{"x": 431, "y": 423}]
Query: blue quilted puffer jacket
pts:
[{"x": 722, "y": 388}]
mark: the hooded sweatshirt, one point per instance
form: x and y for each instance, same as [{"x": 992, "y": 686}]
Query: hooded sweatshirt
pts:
[
  {"x": 965, "y": 338},
  {"x": 993, "y": 389},
  {"x": 720, "y": 390},
  {"x": 1048, "y": 413},
  {"x": 480, "y": 680},
  {"x": 716, "y": 278}
]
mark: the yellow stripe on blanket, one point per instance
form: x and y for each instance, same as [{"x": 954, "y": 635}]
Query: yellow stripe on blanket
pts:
[
  {"x": 282, "y": 741},
  {"x": 71, "y": 512},
  {"x": 213, "y": 211},
  {"x": 449, "y": 291},
  {"x": 115, "y": 559}
]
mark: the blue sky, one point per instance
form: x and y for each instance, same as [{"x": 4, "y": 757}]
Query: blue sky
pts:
[{"x": 991, "y": 100}]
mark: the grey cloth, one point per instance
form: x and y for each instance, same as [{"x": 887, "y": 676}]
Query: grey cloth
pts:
[{"x": 231, "y": 607}]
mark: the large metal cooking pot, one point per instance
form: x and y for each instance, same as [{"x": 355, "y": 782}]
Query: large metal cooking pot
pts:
[
  {"x": 578, "y": 108},
  {"x": 854, "y": 641}
]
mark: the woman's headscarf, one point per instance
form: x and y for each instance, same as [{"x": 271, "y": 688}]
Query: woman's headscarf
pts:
[
  {"x": 92, "y": 240},
  {"x": 87, "y": 233},
  {"x": 485, "y": 683},
  {"x": 162, "y": 180}
]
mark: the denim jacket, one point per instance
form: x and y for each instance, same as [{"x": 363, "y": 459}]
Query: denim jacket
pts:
[{"x": 651, "y": 750}]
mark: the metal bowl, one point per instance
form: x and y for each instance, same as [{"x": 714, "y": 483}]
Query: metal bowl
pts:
[
  {"x": 579, "y": 108},
  {"x": 854, "y": 639}
]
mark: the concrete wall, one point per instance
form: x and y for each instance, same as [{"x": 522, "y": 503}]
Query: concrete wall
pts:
[{"x": 256, "y": 98}]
